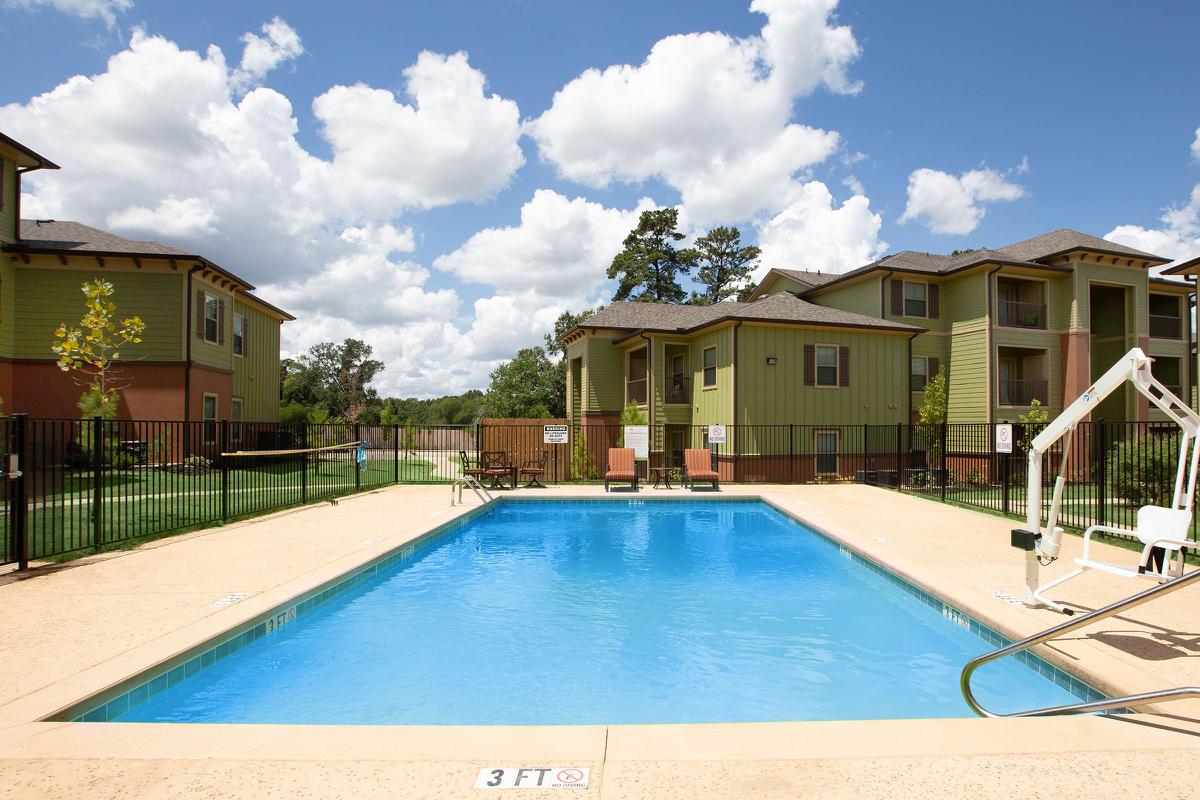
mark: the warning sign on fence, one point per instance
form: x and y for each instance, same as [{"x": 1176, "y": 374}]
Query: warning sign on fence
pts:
[
  {"x": 1004, "y": 442},
  {"x": 554, "y": 434},
  {"x": 716, "y": 434}
]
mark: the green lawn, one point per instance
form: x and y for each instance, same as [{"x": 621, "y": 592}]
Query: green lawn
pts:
[{"x": 147, "y": 503}]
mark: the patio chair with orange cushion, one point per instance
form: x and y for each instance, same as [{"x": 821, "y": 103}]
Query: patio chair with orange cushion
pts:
[
  {"x": 471, "y": 466},
  {"x": 621, "y": 467},
  {"x": 534, "y": 470},
  {"x": 697, "y": 466}
]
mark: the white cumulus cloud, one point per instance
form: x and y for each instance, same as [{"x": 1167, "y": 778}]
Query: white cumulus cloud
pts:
[
  {"x": 707, "y": 113},
  {"x": 1178, "y": 237},
  {"x": 105, "y": 10},
  {"x": 562, "y": 248},
  {"x": 951, "y": 204},
  {"x": 813, "y": 232},
  {"x": 279, "y": 43}
]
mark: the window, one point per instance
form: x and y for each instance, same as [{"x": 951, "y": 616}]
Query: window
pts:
[
  {"x": 827, "y": 452},
  {"x": 916, "y": 296},
  {"x": 211, "y": 318},
  {"x": 635, "y": 382},
  {"x": 239, "y": 335},
  {"x": 710, "y": 366},
  {"x": 919, "y": 374},
  {"x": 209, "y": 414},
  {"x": 1167, "y": 370},
  {"x": 827, "y": 365},
  {"x": 1165, "y": 319},
  {"x": 235, "y": 418}
]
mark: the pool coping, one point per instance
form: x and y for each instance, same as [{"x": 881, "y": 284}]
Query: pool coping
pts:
[{"x": 119, "y": 697}]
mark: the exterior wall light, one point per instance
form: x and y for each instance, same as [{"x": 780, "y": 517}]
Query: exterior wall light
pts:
[{"x": 772, "y": 360}]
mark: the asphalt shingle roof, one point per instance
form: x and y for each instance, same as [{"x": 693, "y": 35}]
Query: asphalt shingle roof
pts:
[
  {"x": 56, "y": 235},
  {"x": 1065, "y": 239},
  {"x": 805, "y": 276},
  {"x": 781, "y": 307}
]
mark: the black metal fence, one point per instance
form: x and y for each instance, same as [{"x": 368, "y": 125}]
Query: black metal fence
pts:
[{"x": 75, "y": 486}]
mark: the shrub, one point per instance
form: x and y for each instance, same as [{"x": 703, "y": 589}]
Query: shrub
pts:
[
  {"x": 1143, "y": 471},
  {"x": 581, "y": 458}
]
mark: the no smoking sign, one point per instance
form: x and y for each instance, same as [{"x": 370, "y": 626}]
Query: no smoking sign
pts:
[{"x": 533, "y": 778}]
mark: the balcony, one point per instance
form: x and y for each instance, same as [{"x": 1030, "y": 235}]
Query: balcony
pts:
[
  {"x": 1163, "y": 326},
  {"x": 635, "y": 392},
  {"x": 1018, "y": 392},
  {"x": 678, "y": 390},
  {"x": 1020, "y": 314}
]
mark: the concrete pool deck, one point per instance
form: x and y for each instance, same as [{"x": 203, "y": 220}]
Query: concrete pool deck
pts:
[{"x": 75, "y": 629}]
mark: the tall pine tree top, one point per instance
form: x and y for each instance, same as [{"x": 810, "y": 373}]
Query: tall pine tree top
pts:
[{"x": 650, "y": 265}]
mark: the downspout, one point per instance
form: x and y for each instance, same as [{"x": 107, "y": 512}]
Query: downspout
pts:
[
  {"x": 187, "y": 363},
  {"x": 927, "y": 376},
  {"x": 883, "y": 293},
  {"x": 991, "y": 372}
]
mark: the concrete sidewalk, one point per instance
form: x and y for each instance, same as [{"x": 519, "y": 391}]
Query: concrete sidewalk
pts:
[{"x": 75, "y": 629}]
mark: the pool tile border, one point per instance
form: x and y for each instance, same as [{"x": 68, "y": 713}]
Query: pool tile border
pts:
[{"x": 105, "y": 706}]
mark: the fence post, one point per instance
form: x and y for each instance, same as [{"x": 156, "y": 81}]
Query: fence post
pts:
[
  {"x": 357, "y": 466},
  {"x": 97, "y": 480},
  {"x": 221, "y": 450},
  {"x": 792, "y": 453},
  {"x": 304, "y": 463},
  {"x": 899, "y": 469},
  {"x": 17, "y": 496},
  {"x": 945, "y": 459},
  {"x": 1102, "y": 469},
  {"x": 864, "y": 455},
  {"x": 395, "y": 454}
]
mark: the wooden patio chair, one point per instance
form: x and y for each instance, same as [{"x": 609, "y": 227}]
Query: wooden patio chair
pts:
[
  {"x": 697, "y": 466},
  {"x": 621, "y": 467},
  {"x": 533, "y": 470}
]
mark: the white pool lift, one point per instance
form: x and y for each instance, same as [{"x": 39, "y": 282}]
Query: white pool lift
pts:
[{"x": 1162, "y": 531}]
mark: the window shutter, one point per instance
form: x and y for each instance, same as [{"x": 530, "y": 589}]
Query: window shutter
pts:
[
  {"x": 199, "y": 326},
  {"x": 843, "y": 366},
  {"x": 810, "y": 365},
  {"x": 245, "y": 336},
  {"x": 933, "y": 300},
  {"x": 220, "y": 322},
  {"x": 934, "y": 364},
  {"x": 897, "y": 297}
]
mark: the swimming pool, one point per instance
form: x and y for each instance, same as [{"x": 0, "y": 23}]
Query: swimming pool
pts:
[{"x": 602, "y": 611}]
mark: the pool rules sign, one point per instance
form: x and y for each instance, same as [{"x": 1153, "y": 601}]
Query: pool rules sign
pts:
[{"x": 532, "y": 778}]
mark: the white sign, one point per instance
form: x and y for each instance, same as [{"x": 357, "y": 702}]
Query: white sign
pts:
[
  {"x": 716, "y": 434},
  {"x": 1004, "y": 438},
  {"x": 638, "y": 437},
  {"x": 532, "y": 778},
  {"x": 554, "y": 434}
]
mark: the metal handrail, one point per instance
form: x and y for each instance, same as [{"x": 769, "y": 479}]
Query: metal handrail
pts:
[
  {"x": 474, "y": 485},
  {"x": 1129, "y": 701}
]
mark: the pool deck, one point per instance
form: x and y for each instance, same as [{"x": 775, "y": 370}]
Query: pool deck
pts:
[{"x": 75, "y": 629}]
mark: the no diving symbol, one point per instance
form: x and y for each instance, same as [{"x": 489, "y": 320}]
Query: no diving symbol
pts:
[{"x": 570, "y": 776}]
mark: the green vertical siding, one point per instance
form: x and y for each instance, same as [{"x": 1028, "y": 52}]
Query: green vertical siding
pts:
[
  {"x": 8, "y": 305},
  {"x": 861, "y": 297},
  {"x": 713, "y": 406},
  {"x": 1134, "y": 277},
  {"x": 776, "y": 394},
  {"x": 8, "y": 201},
  {"x": 776, "y": 284},
  {"x": 256, "y": 375},
  {"x": 576, "y": 350},
  {"x": 605, "y": 376},
  {"x": 968, "y": 377},
  {"x": 205, "y": 353},
  {"x": 50, "y": 296}
]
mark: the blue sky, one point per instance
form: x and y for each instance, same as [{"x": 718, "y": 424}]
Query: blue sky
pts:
[{"x": 927, "y": 126}]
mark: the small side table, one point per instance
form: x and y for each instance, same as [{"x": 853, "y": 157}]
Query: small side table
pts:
[{"x": 663, "y": 473}]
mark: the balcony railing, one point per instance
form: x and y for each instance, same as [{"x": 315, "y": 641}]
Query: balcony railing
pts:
[
  {"x": 677, "y": 390},
  {"x": 1023, "y": 392},
  {"x": 1163, "y": 326},
  {"x": 1017, "y": 314},
  {"x": 635, "y": 391}
]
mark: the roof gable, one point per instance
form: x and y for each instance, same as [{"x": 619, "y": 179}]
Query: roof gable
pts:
[{"x": 1065, "y": 240}]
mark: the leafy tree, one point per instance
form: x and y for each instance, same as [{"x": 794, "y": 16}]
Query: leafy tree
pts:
[
  {"x": 565, "y": 322},
  {"x": 631, "y": 415},
  {"x": 526, "y": 387},
  {"x": 935, "y": 400},
  {"x": 92, "y": 349},
  {"x": 335, "y": 378},
  {"x": 649, "y": 266},
  {"x": 724, "y": 265},
  {"x": 1032, "y": 422},
  {"x": 743, "y": 295}
]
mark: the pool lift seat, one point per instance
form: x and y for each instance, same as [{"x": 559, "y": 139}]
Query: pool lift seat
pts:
[{"x": 1162, "y": 530}]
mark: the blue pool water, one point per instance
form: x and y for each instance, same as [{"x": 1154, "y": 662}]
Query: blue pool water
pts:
[{"x": 553, "y": 612}]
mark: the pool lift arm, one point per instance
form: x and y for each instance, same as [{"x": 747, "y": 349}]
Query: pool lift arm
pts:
[{"x": 1042, "y": 548}]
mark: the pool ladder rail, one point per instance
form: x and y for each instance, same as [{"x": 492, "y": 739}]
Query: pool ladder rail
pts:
[
  {"x": 1129, "y": 701},
  {"x": 474, "y": 485}
]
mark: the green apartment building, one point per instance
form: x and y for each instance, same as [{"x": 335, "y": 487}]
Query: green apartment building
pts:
[
  {"x": 1038, "y": 319},
  {"x": 210, "y": 349}
]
